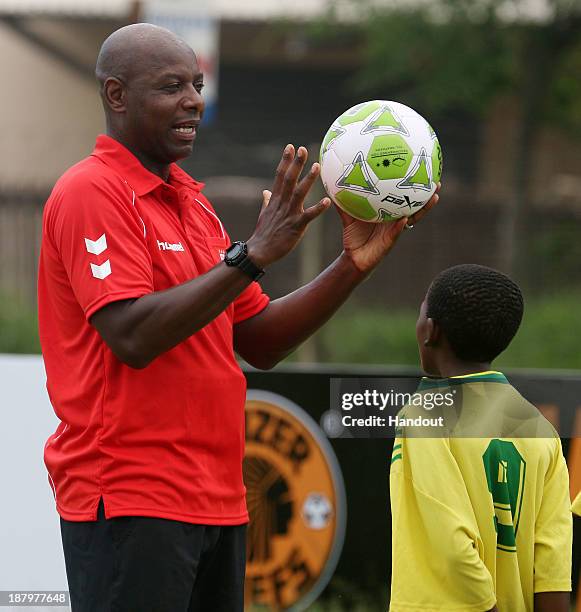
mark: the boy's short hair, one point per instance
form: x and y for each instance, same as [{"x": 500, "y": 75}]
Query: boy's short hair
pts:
[{"x": 478, "y": 309}]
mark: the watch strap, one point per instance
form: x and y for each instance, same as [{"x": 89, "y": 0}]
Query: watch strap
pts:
[
  {"x": 242, "y": 261},
  {"x": 248, "y": 267}
]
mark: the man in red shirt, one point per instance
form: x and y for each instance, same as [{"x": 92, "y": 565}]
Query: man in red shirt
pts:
[{"x": 143, "y": 300}]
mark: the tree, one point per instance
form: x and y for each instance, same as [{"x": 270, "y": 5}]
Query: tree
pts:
[{"x": 463, "y": 54}]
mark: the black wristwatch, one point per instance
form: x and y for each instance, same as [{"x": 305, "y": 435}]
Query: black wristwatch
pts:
[{"x": 237, "y": 257}]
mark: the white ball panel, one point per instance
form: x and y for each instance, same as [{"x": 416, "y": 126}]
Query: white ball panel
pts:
[
  {"x": 331, "y": 170},
  {"x": 351, "y": 142}
]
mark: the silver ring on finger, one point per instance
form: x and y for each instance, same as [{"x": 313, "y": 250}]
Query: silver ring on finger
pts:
[{"x": 408, "y": 226}]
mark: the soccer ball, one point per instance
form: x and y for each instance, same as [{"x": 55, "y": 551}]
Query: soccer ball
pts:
[
  {"x": 380, "y": 161},
  {"x": 317, "y": 511}
]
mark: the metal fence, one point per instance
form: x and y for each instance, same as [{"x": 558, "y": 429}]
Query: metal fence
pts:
[{"x": 457, "y": 231}]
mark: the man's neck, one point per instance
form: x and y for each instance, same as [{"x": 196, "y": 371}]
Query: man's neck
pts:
[{"x": 161, "y": 170}]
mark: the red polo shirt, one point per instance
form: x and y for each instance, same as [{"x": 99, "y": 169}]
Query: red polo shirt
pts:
[{"x": 168, "y": 440}]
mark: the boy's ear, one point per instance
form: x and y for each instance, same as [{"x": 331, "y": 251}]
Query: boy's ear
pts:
[{"x": 433, "y": 333}]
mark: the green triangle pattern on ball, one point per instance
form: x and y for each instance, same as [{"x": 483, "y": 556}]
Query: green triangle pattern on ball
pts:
[
  {"x": 437, "y": 161},
  {"x": 419, "y": 177},
  {"x": 357, "y": 206},
  {"x": 386, "y": 217},
  {"x": 384, "y": 121},
  {"x": 358, "y": 113},
  {"x": 333, "y": 133},
  {"x": 357, "y": 176}
]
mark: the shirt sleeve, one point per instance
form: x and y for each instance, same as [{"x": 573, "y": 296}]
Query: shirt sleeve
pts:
[
  {"x": 437, "y": 552},
  {"x": 554, "y": 529},
  {"x": 250, "y": 302},
  {"x": 100, "y": 239}
]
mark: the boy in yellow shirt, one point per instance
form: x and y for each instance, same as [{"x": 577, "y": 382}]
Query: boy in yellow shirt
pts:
[{"x": 481, "y": 517}]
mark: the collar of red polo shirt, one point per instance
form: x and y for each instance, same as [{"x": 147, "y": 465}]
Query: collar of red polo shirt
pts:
[{"x": 138, "y": 177}]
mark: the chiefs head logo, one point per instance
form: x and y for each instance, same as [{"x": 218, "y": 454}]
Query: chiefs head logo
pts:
[
  {"x": 269, "y": 504},
  {"x": 296, "y": 501}
]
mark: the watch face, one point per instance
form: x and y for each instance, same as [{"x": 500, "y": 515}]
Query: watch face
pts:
[{"x": 235, "y": 253}]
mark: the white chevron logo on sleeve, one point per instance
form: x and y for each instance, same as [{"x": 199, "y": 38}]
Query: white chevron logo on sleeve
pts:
[
  {"x": 101, "y": 271},
  {"x": 96, "y": 246}
]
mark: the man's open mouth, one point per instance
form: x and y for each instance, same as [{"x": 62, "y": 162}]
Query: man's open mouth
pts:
[{"x": 185, "y": 128}]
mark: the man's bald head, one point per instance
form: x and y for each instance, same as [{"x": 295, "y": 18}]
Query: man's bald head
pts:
[
  {"x": 151, "y": 88},
  {"x": 134, "y": 48}
]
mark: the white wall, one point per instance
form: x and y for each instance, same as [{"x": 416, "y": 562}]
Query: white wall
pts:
[{"x": 30, "y": 547}]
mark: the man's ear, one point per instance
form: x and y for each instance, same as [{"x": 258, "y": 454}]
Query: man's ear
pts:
[
  {"x": 433, "y": 333},
  {"x": 114, "y": 94}
]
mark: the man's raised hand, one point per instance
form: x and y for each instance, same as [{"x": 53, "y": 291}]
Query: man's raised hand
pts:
[
  {"x": 366, "y": 244},
  {"x": 283, "y": 219}
]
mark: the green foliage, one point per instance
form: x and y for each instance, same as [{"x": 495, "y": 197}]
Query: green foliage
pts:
[
  {"x": 436, "y": 65},
  {"x": 549, "y": 335},
  {"x": 566, "y": 90},
  {"x": 546, "y": 339},
  {"x": 18, "y": 328},
  {"x": 371, "y": 336},
  {"x": 462, "y": 54},
  {"x": 553, "y": 257}
]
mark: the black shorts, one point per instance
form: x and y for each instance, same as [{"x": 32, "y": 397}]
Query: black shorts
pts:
[{"x": 142, "y": 564}]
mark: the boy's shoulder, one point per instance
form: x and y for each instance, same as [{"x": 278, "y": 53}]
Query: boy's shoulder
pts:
[
  {"x": 513, "y": 416},
  {"x": 473, "y": 409}
]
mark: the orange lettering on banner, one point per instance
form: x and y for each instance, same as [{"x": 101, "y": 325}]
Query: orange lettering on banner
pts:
[{"x": 293, "y": 505}]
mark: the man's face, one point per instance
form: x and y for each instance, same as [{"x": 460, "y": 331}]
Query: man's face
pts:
[{"x": 164, "y": 104}]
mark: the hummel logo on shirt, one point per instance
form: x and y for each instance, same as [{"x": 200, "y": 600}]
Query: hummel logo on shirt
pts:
[
  {"x": 96, "y": 247},
  {"x": 168, "y": 246},
  {"x": 101, "y": 271}
]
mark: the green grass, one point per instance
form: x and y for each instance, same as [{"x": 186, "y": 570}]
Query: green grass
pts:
[
  {"x": 371, "y": 336},
  {"x": 549, "y": 337},
  {"x": 18, "y": 328}
]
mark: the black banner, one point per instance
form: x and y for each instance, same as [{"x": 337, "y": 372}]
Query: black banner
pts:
[{"x": 365, "y": 562}]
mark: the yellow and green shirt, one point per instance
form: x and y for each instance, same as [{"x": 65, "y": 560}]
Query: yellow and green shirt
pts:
[{"x": 480, "y": 509}]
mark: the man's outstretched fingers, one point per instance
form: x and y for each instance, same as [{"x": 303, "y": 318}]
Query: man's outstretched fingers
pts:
[
  {"x": 314, "y": 211},
  {"x": 304, "y": 186},
  {"x": 292, "y": 174},
  {"x": 285, "y": 161}
]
